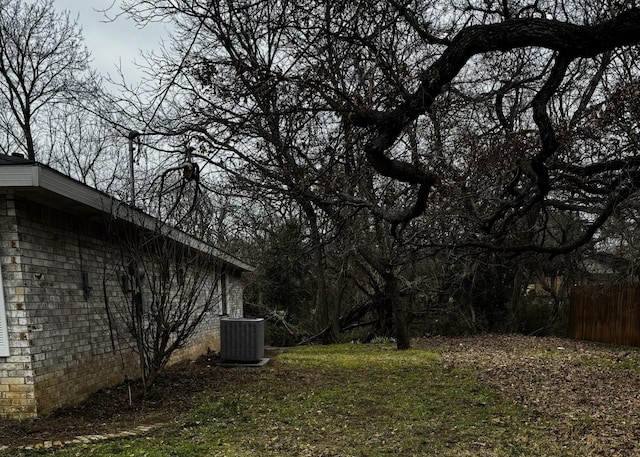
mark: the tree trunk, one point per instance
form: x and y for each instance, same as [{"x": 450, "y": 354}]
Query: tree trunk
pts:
[
  {"x": 516, "y": 294},
  {"x": 401, "y": 321},
  {"x": 400, "y": 311},
  {"x": 328, "y": 314}
]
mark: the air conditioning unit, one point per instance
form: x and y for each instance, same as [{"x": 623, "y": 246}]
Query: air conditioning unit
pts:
[{"x": 242, "y": 340}]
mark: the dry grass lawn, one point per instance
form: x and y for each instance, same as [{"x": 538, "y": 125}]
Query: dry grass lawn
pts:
[{"x": 475, "y": 396}]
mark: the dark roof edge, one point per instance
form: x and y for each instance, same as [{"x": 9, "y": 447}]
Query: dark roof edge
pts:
[{"x": 14, "y": 159}]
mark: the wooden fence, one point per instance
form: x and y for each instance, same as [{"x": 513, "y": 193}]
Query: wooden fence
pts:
[{"x": 607, "y": 313}]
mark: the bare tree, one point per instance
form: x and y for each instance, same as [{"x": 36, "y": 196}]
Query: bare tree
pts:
[
  {"x": 84, "y": 146},
  {"x": 484, "y": 121},
  {"x": 43, "y": 62},
  {"x": 565, "y": 38},
  {"x": 168, "y": 289}
]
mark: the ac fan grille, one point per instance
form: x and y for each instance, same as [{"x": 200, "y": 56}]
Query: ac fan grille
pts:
[{"x": 242, "y": 340}]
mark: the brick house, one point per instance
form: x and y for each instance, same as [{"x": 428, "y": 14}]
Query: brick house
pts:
[{"x": 60, "y": 282}]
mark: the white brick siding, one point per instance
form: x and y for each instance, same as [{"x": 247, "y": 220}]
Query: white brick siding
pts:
[{"x": 61, "y": 346}]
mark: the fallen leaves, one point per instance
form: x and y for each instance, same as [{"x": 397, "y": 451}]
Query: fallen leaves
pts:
[{"x": 587, "y": 393}]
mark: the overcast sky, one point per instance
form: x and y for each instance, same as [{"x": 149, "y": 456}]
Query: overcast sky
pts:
[{"x": 112, "y": 42}]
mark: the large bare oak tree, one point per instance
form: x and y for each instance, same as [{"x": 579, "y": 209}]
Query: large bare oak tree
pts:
[{"x": 489, "y": 124}]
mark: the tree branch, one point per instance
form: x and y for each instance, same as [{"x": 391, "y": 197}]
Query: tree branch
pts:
[{"x": 569, "y": 40}]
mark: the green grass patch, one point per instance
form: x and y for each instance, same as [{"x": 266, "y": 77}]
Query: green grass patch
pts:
[
  {"x": 347, "y": 400},
  {"x": 627, "y": 363}
]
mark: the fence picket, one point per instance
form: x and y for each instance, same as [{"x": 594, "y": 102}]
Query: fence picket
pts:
[{"x": 608, "y": 313}]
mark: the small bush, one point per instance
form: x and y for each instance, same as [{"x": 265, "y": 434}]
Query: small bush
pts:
[{"x": 538, "y": 315}]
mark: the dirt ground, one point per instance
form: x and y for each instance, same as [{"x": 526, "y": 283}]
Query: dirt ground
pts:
[
  {"x": 591, "y": 391},
  {"x": 109, "y": 410}
]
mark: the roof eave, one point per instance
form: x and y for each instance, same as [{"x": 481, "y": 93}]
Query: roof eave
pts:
[{"x": 35, "y": 176}]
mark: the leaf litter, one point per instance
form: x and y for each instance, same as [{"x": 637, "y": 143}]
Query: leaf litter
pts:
[{"x": 587, "y": 393}]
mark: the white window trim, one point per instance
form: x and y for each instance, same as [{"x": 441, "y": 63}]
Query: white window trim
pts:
[{"x": 4, "y": 333}]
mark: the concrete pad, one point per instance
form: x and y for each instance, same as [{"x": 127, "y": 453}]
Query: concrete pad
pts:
[{"x": 233, "y": 364}]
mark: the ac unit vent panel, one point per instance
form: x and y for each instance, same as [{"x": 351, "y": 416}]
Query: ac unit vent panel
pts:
[{"x": 242, "y": 340}]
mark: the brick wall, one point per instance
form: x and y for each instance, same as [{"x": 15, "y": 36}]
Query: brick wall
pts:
[
  {"x": 17, "y": 394},
  {"x": 64, "y": 299},
  {"x": 235, "y": 288},
  {"x": 208, "y": 337}
]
